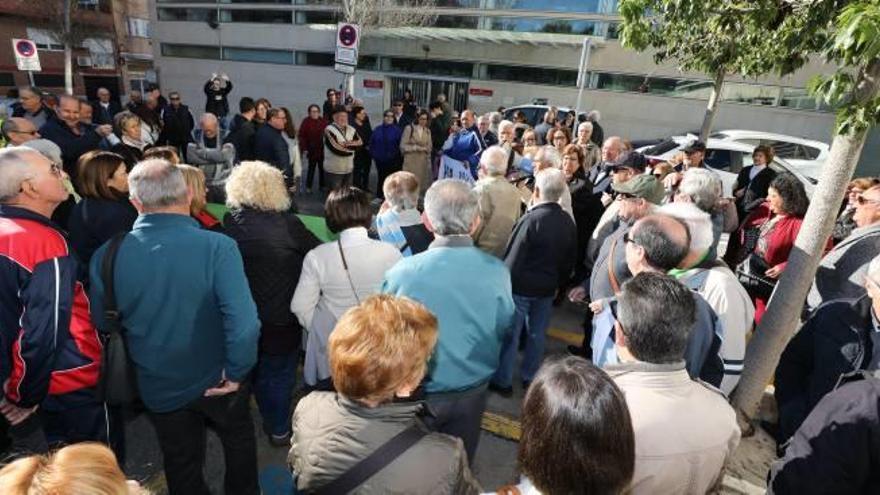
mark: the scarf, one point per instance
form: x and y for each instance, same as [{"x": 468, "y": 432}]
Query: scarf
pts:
[
  {"x": 388, "y": 226},
  {"x": 134, "y": 143}
]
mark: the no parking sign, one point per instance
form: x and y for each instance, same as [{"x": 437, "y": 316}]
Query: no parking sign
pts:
[
  {"x": 348, "y": 37},
  {"x": 26, "y": 55}
]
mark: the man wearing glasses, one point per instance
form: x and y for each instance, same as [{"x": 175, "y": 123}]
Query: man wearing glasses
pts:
[
  {"x": 18, "y": 130},
  {"x": 842, "y": 271},
  {"x": 52, "y": 346}
]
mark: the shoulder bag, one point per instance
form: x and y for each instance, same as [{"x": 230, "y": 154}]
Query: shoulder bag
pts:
[
  {"x": 347, "y": 273},
  {"x": 117, "y": 383}
]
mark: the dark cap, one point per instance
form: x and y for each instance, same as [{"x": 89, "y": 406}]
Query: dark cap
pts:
[
  {"x": 644, "y": 186},
  {"x": 338, "y": 109},
  {"x": 695, "y": 146},
  {"x": 633, "y": 161}
]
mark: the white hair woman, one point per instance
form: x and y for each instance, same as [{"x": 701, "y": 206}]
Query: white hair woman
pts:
[
  {"x": 399, "y": 221},
  {"x": 273, "y": 244},
  {"x": 583, "y": 138}
]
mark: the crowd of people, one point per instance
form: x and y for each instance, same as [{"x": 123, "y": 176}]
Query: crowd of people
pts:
[{"x": 437, "y": 277}]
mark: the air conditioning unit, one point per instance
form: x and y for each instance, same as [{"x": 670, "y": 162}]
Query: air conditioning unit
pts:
[{"x": 84, "y": 61}]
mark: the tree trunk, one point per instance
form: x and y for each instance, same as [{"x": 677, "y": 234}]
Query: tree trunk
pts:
[
  {"x": 68, "y": 49},
  {"x": 782, "y": 317},
  {"x": 712, "y": 107}
]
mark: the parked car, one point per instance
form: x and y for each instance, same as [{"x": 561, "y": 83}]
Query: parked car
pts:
[
  {"x": 725, "y": 157},
  {"x": 535, "y": 113}
]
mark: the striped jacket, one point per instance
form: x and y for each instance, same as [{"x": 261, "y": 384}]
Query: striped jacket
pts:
[{"x": 48, "y": 344}]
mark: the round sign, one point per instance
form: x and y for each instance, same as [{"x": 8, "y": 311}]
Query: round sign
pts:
[
  {"x": 348, "y": 35},
  {"x": 25, "y": 48}
]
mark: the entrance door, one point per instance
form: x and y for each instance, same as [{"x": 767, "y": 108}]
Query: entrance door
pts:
[
  {"x": 426, "y": 90},
  {"x": 92, "y": 83}
]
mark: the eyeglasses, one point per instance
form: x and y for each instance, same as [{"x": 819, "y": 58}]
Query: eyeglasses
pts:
[
  {"x": 29, "y": 133},
  {"x": 529, "y": 140},
  {"x": 861, "y": 200},
  {"x": 175, "y": 98},
  {"x": 56, "y": 170},
  {"x": 627, "y": 239},
  {"x": 624, "y": 196}
]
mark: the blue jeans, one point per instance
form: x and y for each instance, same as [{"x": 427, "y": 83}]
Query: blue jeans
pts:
[
  {"x": 274, "y": 379},
  {"x": 533, "y": 313}
]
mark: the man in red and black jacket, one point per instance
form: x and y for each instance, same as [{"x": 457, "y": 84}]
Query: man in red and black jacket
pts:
[{"x": 50, "y": 353}]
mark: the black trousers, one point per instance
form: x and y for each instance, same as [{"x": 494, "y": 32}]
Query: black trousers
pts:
[
  {"x": 459, "y": 414},
  {"x": 182, "y": 436},
  {"x": 383, "y": 170},
  {"x": 313, "y": 165},
  {"x": 362, "y": 164}
]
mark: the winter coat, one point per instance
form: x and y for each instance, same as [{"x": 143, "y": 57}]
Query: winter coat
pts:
[
  {"x": 243, "y": 137},
  {"x": 72, "y": 145},
  {"x": 587, "y": 209},
  {"x": 216, "y": 100},
  {"x": 270, "y": 147},
  {"x": 385, "y": 143},
  {"x": 311, "y": 138},
  {"x": 842, "y": 271},
  {"x": 834, "y": 341},
  {"x": 273, "y": 246},
  {"x": 130, "y": 154},
  {"x": 95, "y": 221},
  {"x": 416, "y": 149},
  {"x": 754, "y": 189},
  {"x": 332, "y": 433},
  {"x": 541, "y": 251},
  {"x": 103, "y": 115},
  {"x": 177, "y": 126},
  {"x": 500, "y": 208}
]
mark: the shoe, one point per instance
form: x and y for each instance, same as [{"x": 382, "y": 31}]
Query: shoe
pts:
[
  {"x": 280, "y": 440},
  {"x": 506, "y": 392}
]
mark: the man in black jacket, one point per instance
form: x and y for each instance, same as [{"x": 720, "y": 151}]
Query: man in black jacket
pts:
[
  {"x": 269, "y": 144},
  {"x": 842, "y": 336},
  {"x": 178, "y": 124},
  {"x": 72, "y": 136},
  {"x": 837, "y": 447},
  {"x": 242, "y": 131},
  {"x": 540, "y": 256},
  {"x": 105, "y": 108}
]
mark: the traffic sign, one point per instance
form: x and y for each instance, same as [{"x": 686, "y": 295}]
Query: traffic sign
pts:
[
  {"x": 348, "y": 37},
  {"x": 26, "y": 55},
  {"x": 344, "y": 68}
]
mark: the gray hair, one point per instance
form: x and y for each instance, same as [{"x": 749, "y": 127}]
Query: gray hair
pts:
[
  {"x": 15, "y": 168},
  {"x": 584, "y": 125},
  {"x": 494, "y": 159},
  {"x": 594, "y": 116},
  {"x": 157, "y": 183},
  {"x": 122, "y": 119},
  {"x": 9, "y": 126},
  {"x": 451, "y": 206},
  {"x": 208, "y": 116},
  {"x": 549, "y": 154},
  {"x": 699, "y": 224},
  {"x": 504, "y": 124},
  {"x": 495, "y": 117},
  {"x": 702, "y": 186},
  {"x": 550, "y": 183},
  {"x": 46, "y": 148}
]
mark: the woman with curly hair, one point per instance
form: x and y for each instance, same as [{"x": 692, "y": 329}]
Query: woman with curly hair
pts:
[{"x": 273, "y": 243}]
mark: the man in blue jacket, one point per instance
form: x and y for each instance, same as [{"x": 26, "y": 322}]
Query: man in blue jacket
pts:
[
  {"x": 191, "y": 327},
  {"x": 470, "y": 293},
  {"x": 385, "y": 148},
  {"x": 269, "y": 144},
  {"x": 466, "y": 145},
  {"x": 72, "y": 136}
]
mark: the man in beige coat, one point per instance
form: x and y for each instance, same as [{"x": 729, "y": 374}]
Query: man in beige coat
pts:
[
  {"x": 685, "y": 430},
  {"x": 500, "y": 203}
]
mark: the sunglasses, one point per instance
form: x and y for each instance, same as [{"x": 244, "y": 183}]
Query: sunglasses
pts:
[
  {"x": 174, "y": 98},
  {"x": 625, "y": 196},
  {"x": 29, "y": 133}
]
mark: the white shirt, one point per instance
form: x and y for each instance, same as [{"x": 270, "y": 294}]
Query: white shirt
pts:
[
  {"x": 324, "y": 292},
  {"x": 756, "y": 169}
]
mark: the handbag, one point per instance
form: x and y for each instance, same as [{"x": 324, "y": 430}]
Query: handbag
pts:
[
  {"x": 356, "y": 475},
  {"x": 117, "y": 383},
  {"x": 751, "y": 275}
]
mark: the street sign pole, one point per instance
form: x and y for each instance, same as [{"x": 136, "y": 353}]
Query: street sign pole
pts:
[
  {"x": 347, "y": 42},
  {"x": 582, "y": 73},
  {"x": 31, "y": 78}
]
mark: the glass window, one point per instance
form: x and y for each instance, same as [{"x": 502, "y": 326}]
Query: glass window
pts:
[
  {"x": 562, "y": 26},
  {"x": 315, "y": 58},
  {"x": 580, "y": 6},
  {"x": 368, "y": 62},
  {"x": 258, "y": 55},
  {"x": 749, "y": 93},
  {"x": 798, "y": 98},
  {"x": 191, "y": 15},
  {"x": 537, "y": 75},
  {"x": 719, "y": 159},
  {"x": 49, "y": 80},
  {"x": 44, "y": 39},
  {"x": 139, "y": 28},
  {"x": 187, "y": 1},
  {"x": 317, "y": 17},
  {"x": 257, "y": 16},
  {"x": 190, "y": 51},
  {"x": 433, "y": 67},
  {"x": 282, "y": 2},
  {"x": 457, "y": 21}
]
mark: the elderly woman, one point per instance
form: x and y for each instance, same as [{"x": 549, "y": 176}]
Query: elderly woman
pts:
[
  {"x": 273, "y": 244},
  {"x": 753, "y": 181},
  {"x": 131, "y": 146},
  {"x": 845, "y": 223},
  {"x": 195, "y": 181},
  {"x": 508, "y": 142},
  {"x": 399, "y": 221},
  {"x": 379, "y": 354},
  {"x": 104, "y": 211},
  {"x": 592, "y": 153},
  {"x": 530, "y": 143},
  {"x": 759, "y": 249},
  {"x": 338, "y": 275},
  {"x": 559, "y": 138},
  {"x": 415, "y": 146},
  {"x": 585, "y": 206},
  {"x": 554, "y": 411}
]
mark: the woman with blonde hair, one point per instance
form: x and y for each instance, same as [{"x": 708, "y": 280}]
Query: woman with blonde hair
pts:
[
  {"x": 79, "y": 469},
  {"x": 379, "y": 354},
  {"x": 132, "y": 142},
  {"x": 273, "y": 243},
  {"x": 195, "y": 181}
]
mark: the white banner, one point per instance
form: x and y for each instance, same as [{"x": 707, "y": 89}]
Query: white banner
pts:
[{"x": 454, "y": 169}]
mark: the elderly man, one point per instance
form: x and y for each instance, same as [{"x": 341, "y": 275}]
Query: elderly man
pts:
[
  {"x": 72, "y": 136},
  {"x": 474, "y": 312},
  {"x": 177, "y": 123},
  {"x": 341, "y": 141},
  {"x": 191, "y": 329},
  {"x": 713, "y": 280},
  {"x": 86, "y": 112},
  {"x": 105, "y": 108},
  {"x": 30, "y": 106},
  {"x": 461, "y": 152},
  {"x": 399, "y": 221},
  {"x": 45, "y": 330},
  {"x": 841, "y": 336},
  {"x": 18, "y": 130},
  {"x": 658, "y": 243},
  {"x": 540, "y": 257},
  {"x": 270, "y": 146},
  {"x": 500, "y": 203},
  {"x": 842, "y": 271},
  {"x": 613, "y": 153},
  {"x": 685, "y": 431},
  {"x": 207, "y": 150},
  {"x": 135, "y": 99},
  {"x": 484, "y": 124}
]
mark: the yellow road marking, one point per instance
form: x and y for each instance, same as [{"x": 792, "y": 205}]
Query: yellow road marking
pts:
[
  {"x": 502, "y": 426},
  {"x": 573, "y": 338}
]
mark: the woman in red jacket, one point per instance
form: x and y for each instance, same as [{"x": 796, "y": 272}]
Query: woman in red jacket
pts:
[
  {"x": 311, "y": 141},
  {"x": 770, "y": 230}
]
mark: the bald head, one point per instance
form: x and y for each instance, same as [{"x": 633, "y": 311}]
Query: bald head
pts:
[
  {"x": 209, "y": 125},
  {"x": 660, "y": 242},
  {"x": 18, "y": 130},
  {"x": 468, "y": 119},
  {"x": 103, "y": 95},
  {"x": 612, "y": 149}
]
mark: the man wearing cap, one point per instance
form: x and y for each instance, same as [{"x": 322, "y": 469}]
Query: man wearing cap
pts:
[
  {"x": 694, "y": 153},
  {"x": 340, "y": 142}
]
